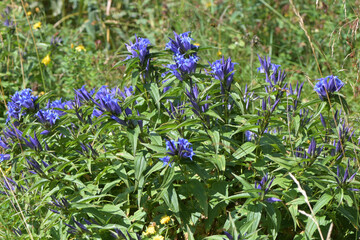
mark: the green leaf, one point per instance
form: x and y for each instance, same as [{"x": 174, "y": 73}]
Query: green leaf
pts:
[
  {"x": 244, "y": 150},
  {"x": 198, "y": 190},
  {"x": 325, "y": 198}
]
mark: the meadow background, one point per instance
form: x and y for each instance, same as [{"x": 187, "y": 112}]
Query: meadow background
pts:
[{"x": 104, "y": 178}]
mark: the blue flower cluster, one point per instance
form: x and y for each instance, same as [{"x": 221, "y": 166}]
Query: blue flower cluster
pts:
[
  {"x": 264, "y": 186},
  {"x": 181, "y": 43},
  {"x": 223, "y": 70},
  {"x": 21, "y": 101},
  {"x": 185, "y": 64},
  {"x": 325, "y": 87},
  {"x": 47, "y": 117},
  {"x": 180, "y": 148},
  {"x": 139, "y": 49}
]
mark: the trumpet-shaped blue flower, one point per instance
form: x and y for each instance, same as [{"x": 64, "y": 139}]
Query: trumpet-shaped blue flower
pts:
[
  {"x": 4, "y": 157},
  {"x": 138, "y": 49},
  {"x": 180, "y": 148},
  {"x": 181, "y": 43},
  {"x": 57, "y": 104},
  {"x": 21, "y": 101},
  {"x": 83, "y": 95},
  {"x": 47, "y": 117},
  {"x": 277, "y": 76},
  {"x": 346, "y": 179},
  {"x": 183, "y": 66},
  {"x": 264, "y": 186},
  {"x": 327, "y": 86},
  {"x": 223, "y": 70}
]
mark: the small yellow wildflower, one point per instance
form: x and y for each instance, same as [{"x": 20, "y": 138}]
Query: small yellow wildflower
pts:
[
  {"x": 41, "y": 93},
  {"x": 208, "y": 4},
  {"x": 46, "y": 60},
  {"x": 37, "y": 25},
  {"x": 150, "y": 230},
  {"x": 197, "y": 44},
  {"x": 165, "y": 219},
  {"x": 28, "y": 13},
  {"x": 158, "y": 237},
  {"x": 219, "y": 53},
  {"x": 72, "y": 46},
  {"x": 80, "y": 48},
  {"x": 37, "y": 9}
]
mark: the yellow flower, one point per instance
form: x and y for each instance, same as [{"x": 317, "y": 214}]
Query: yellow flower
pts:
[
  {"x": 197, "y": 44},
  {"x": 46, "y": 60},
  {"x": 80, "y": 48},
  {"x": 150, "y": 230},
  {"x": 158, "y": 237},
  {"x": 219, "y": 53},
  {"x": 37, "y": 9},
  {"x": 165, "y": 219},
  {"x": 28, "y": 13},
  {"x": 37, "y": 25},
  {"x": 72, "y": 46}
]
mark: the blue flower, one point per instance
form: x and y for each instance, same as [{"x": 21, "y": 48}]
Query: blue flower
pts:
[
  {"x": 138, "y": 49},
  {"x": 4, "y": 157},
  {"x": 19, "y": 102},
  {"x": 166, "y": 161},
  {"x": 183, "y": 66},
  {"x": 264, "y": 186},
  {"x": 223, "y": 71},
  {"x": 180, "y": 148},
  {"x": 56, "y": 41},
  {"x": 327, "y": 86},
  {"x": 346, "y": 179},
  {"x": 277, "y": 76},
  {"x": 181, "y": 43},
  {"x": 83, "y": 95},
  {"x": 47, "y": 117},
  {"x": 58, "y": 104}
]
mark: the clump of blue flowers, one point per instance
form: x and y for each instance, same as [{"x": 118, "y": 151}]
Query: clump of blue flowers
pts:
[
  {"x": 264, "y": 186},
  {"x": 47, "y": 117},
  {"x": 185, "y": 63},
  {"x": 180, "y": 148},
  {"x": 183, "y": 66},
  {"x": 223, "y": 70},
  {"x": 181, "y": 43},
  {"x": 21, "y": 101},
  {"x": 139, "y": 49},
  {"x": 325, "y": 87}
]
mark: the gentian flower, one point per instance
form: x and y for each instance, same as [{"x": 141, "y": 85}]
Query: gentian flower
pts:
[
  {"x": 47, "y": 117},
  {"x": 58, "y": 104},
  {"x": 74, "y": 230},
  {"x": 264, "y": 186},
  {"x": 180, "y": 148},
  {"x": 118, "y": 234},
  {"x": 4, "y": 157},
  {"x": 181, "y": 43},
  {"x": 21, "y": 101},
  {"x": 224, "y": 71},
  {"x": 4, "y": 143},
  {"x": 83, "y": 95},
  {"x": 56, "y": 41},
  {"x": 230, "y": 237},
  {"x": 193, "y": 96},
  {"x": 276, "y": 78},
  {"x": 139, "y": 49},
  {"x": 346, "y": 179},
  {"x": 249, "y": 136},
  {"x": 62, "y": 203},
  {"x": 33, "y": 142},
  {"x": 17, "y": 232},
  {"x": 327, "y": 86},
  {"x": 183, "y": 66}
]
